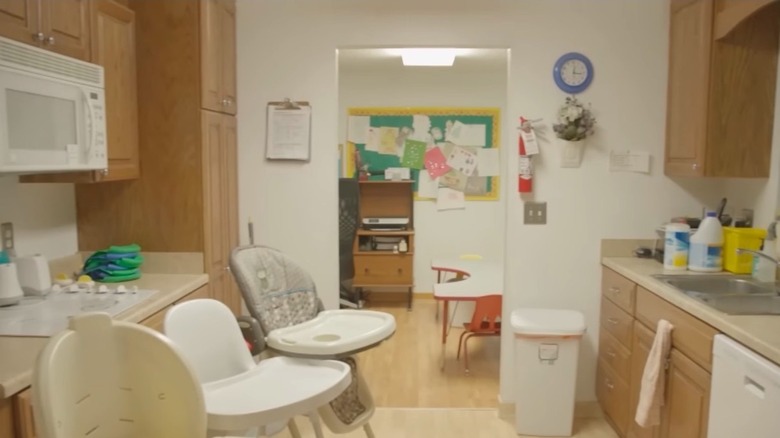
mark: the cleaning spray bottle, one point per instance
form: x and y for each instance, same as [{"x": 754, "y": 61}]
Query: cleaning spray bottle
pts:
[{"x": 765, "y": 270}]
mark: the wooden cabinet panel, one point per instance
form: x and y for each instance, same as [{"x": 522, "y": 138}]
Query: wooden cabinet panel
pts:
[
  {"x": 690, "y": 335},
  {"x": 687, "y": 399},
  {"x": 640, "y": 349},
  {"x": 690, "y": 41},
  {"x": 383, "y": 269},
  {"x": 615, "y": 355},
  {"x": 199, "y": 293},
  {"x": 618, "y": 289},
  {"x": 230, "y": 158},
  {"x": 7, "y": 418},
  {"x": 227, "y": 18},
  {"x": 617, "y": 322},
  {"x": 218, "y": 55},
  {"x": 19, "y": 20},
  {"x": 157, "y": 320},
  {"x": 113, "y": 47},
  {"x": 66, "y": 26},
  {"x": 23, "y": 409},
  {"x": 613, "y": 394}
]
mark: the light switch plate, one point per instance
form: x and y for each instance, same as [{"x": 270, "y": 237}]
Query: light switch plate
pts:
[
  {"x": 535, "y": 213},
  {"x": 7, "y": 237}
]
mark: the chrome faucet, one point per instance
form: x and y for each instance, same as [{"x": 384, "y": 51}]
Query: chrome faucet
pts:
[{"x": 758, "y": 253}]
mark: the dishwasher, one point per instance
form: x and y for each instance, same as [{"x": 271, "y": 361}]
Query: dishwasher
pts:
[{"x": 745, "y": 393}]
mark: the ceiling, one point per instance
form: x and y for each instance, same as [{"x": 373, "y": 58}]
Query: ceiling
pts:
[{"x": 384, "y": 59}]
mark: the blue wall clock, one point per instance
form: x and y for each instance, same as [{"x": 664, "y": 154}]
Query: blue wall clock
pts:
[{"x": 573, "y": 72}]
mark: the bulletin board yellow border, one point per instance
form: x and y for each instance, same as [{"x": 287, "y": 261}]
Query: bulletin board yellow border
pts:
[{"x": 493, "y": 195}]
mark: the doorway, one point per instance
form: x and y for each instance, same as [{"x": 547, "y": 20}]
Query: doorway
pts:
[{"x": 409, "y": 365}]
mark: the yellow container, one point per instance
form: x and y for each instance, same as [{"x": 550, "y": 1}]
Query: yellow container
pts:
[{"x": 744, "y": 238}]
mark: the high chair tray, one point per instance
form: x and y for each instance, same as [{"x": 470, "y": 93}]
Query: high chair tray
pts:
[
  {"x": 334, "y": 333},
  {"x": 279, "y": 387}
]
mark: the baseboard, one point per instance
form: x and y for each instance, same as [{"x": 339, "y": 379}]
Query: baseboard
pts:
[{"x": 584, "y": 409}]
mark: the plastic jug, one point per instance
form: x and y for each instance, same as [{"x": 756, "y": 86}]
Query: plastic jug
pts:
[{"x": 706, "y": 253}]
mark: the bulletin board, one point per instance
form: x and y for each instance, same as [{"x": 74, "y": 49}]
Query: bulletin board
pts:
[{"x": 398, "y": 136}]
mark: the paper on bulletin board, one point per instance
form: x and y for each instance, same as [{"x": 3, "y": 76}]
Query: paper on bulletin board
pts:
[
  {"x": 414, "y": 154},
  {"x": 463, "y": 160},
  {"x": 455, "y": 180},
  {"x": 448, "y": 199},
  {"x": 387, "y": 138},
  {"x": 372, "y": 139},
  {"x": 427, "y": 187},
  {"x": 436, "y": 162},
  {"x": 488, "y": 162},
  {"x": 357, "y": 131},
  {"x": 422, "y": 126},
  {"x": 462, "y": 134}
]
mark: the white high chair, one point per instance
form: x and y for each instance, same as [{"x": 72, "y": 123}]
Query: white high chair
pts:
[
  {"x": 282, "y": 299},
  {"x": 106, "y": 379},
  {"x": 242, "y": 395}
]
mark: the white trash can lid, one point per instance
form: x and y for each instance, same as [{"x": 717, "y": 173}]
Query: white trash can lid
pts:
[{"x": 548, "y": 322}]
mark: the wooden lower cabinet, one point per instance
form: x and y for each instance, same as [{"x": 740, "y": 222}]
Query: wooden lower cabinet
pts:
[
  {"x": 7, "y": 421},
  {"x": 612, "y": 393},
  {"x": 23, "y": 412},
  {"x": 686, "y": 412},
  {"x": 643, "y": 341}
]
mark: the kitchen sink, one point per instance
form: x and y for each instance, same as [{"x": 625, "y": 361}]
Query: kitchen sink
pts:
[{"x": 734, "y": 295}]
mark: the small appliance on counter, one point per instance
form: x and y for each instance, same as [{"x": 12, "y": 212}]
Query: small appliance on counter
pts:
[
  {"x": 34, "y": 276},
  {"x": 10, "y": 290}
]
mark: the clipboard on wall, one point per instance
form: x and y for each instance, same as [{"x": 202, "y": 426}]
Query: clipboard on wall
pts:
[{"x": 288, "y": 131}]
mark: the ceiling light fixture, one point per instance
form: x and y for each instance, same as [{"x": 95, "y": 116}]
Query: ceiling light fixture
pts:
[{"x": 428, "y": 57}]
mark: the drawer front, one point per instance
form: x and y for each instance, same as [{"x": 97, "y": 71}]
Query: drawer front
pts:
[
  {"x": 618, "y": 289},
  {"x": 613, "y": 395},
  {"x": 617, "y": 322},
  {"x": 615, "y": 355},
  {"x": 391, "y": 269},
  {"x": 690, "y": 335}
]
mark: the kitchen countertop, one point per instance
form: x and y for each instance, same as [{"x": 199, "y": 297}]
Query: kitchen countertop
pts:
[
  {"x": 761, "y": 333},
  {"x": 18, "y": 353}
]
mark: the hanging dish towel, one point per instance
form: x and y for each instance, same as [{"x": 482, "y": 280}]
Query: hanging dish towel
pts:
[{"x": 651, "y": 394}]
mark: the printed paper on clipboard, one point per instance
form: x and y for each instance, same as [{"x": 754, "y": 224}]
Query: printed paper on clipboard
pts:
[{"x": 288, "y": 131}]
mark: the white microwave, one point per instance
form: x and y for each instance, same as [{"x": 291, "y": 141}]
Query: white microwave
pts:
[{"x": 52, "y": 112}]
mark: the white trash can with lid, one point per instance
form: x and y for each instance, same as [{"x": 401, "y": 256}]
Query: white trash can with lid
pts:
[{"x": 547, "y": 343}]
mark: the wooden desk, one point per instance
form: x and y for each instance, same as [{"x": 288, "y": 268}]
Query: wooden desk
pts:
[{"x": 483, "y": 278}]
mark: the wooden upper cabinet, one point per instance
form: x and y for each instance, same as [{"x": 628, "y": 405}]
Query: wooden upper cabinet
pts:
[
  {"x": 19, "y": 20},
  {"x": 65, "y": 25},
  {"x": 218, "y": 55},
  {"x": 720, "y": 106},
  {"x": 114, "y": 48}
]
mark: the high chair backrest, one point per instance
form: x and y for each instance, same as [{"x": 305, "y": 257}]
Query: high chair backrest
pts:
[
  {"x": 209, "y": 337},
  {"x": 487, "y": 310},
  {"x": 105, "y": 379},
  {"x": 277, "y": 291}
]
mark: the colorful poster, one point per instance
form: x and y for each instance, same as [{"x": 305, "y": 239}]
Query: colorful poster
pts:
[
  {"x": 436, "y": 163},
  {"x": 387, "y": 137},
  {"x": 463, "y": 160},
  {"x": 455, "y": 180},
  {"x": 414, "y": 154}
]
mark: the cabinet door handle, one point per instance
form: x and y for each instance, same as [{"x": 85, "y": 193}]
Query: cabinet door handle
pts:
[
  {"x": 50, "y": 40},
  {"x": 611, "y": 354},
  {"x": 695, "y": 166},
  {"x": 609, "y": 384},
  {"x": 400, "y": 271},
  {"x": 613, "y": 321},
  {"x": 614, "y": 290},
  {"x": 38, "y": 36},
  {"x": 229, "y": 101},
  {"x": 365, "y": 270}
]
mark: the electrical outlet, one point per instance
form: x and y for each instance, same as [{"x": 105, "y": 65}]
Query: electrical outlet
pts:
[
  {"x": 535, "y": 213},
  {"x": 7, "y": 237}
]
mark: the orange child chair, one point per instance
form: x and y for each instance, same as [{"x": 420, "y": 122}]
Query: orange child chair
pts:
[{"x": 487, "y": 311}]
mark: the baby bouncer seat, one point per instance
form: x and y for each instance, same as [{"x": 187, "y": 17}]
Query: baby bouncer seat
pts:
[{"x": 282, "y": 298}]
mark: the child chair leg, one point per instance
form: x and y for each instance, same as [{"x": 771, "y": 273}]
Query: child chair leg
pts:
[
  {"x": 294, "y": 432},
  {"x": 460, "y": 343},
  {"x": 368, "y": 430},
  {"x": 466, "y": 351}
]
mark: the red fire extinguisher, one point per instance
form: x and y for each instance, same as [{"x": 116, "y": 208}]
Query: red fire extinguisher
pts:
[{"x": 525, "y": 171}]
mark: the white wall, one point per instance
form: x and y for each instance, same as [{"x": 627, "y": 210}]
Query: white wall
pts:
[
  {"x": 44, "y": 217},
  {"x": 479, "y": 228},
  {"x": 294, "y": 205}
]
